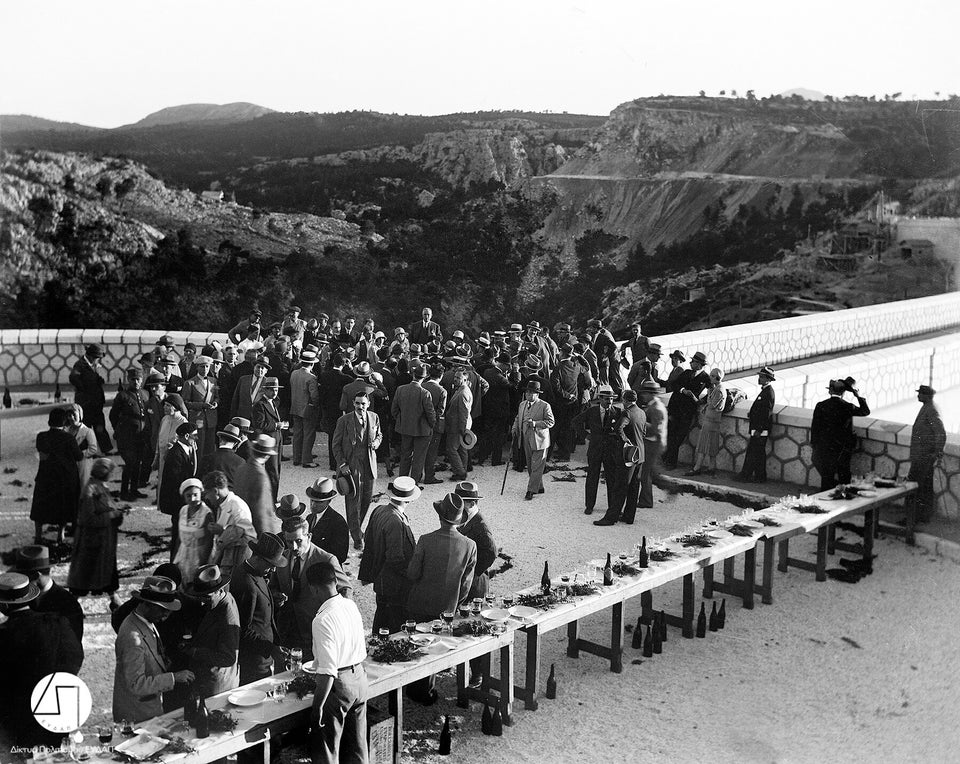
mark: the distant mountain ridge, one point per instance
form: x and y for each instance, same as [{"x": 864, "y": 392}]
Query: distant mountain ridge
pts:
[
  {"x": 239, "y": 111},
  {"x": 15, "y": 123}
]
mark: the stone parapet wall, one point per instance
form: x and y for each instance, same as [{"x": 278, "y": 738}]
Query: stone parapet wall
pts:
[{"x": 884, "y": 449}]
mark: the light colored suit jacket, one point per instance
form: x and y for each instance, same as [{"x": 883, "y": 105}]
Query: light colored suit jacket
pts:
[
  {"x": 141, "y": 673},
  {"x": 196, "y": 393},
  {"x": 304, "y": 394},
  {"x": 440, "y": 572},
  {"x": 356, "y": 448},
  {"x": 458, "y": 410},
  {"x": 538, "y": 434},
  {"x": 413, "y": 410}
]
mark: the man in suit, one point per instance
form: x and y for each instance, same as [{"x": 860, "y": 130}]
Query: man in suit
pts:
[
  {"x": 215, "y": 649},
  {"x": 33, "y": 561},
  {"x": 330, "y": 385},
  {"x": 201, "y": 396},
  {"x": 225, "y": 457},
  {"x": 415, "y": 419},
  {"x": 186, "y": 365},
  {"x": 355, "y": 442},
  {"x": 297, "y": 324},
  {"x": 570, "y": 386},
  {"x": 682, "y": 407},
  {"x": 173, "y": 381},
  {"x": 328, "y": 529},
  {"x": 128, "y": 415},
  {"x": 266, "y": 420},
  {"x": 259, "y": 651},
  {"x": 249, "y": 389},
  {"x": 389, "y": 545},
  {"x": 608, "y": 355},
  {"x": 440, "y": 574},
  {"x": 654, "y": 440},
  {"x": 426, "y": 330},
  {"x": 88, "y": 384},
  {"x": 754, "y": 468},
  {"x": 239, "y": 331},
  {"x": 180, "y": 464},
  {"x": 156, "y": 388},
  {"x": 632, "y": 429},
  {"x": 604, "y": 451},
  {"x": 831, "y": 433},
  {"x": 142, "y": 672},
  {"x": 639, "y": 346},
  {"x": 458, "y": 421},
  {"x": 927, "y": 440},
  {"x": 289, "y": 584},
  {"x": 497, "y": 409},
  {"x": 532, "y": 427},
  {"x": 438, "y": 396},
  {"x": 362, "y": 384},
  {"x": 304, "y": 409}
]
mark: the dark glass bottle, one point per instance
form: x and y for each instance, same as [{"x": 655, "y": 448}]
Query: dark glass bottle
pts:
[
  {"x": 714, "y": 620},
  {"x": 648, "y": 644},
  {"x": 496, "y": 726},
  {"x": 637, "y": 642},
  {"x": 722, "y": 613},
  {"x": 608, "y": 572},
  {"x": 657, "y": 633},
  {"x": 190, "y": 707},
  {"x": 545, "y": 579},
  {"x": 702, "y": 621},
  {"x": 486, "y": 720},
  {"x": 552, "y": 683},
  {"x": 663, "y": 626},
  {"x": 644, "y": 560},
  {"x": 202, "y": 720},
  {"x": 57, "y": 395},
  {"x": 444, "y": 748},
  {"x": 7, "y": 400}
]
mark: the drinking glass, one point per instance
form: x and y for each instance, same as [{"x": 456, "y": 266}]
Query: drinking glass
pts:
[
  {"x": 126, "y": 728},
  {"x": 410, "y": 626},
  {"x": 477, "y": 605},
  {"x": 464, "y": 610},
  {"x": 280, "y": 692},
  {"x": 507, "y": 601},
  {"x": 384, "y": 634},
  {"x": 105, "y": 735},
  {"x": 437, "y": 626},
  {"x": 490, "y": 600},
  {"x": 296, "y": 659},
  {"x": 448, "y": 619}
]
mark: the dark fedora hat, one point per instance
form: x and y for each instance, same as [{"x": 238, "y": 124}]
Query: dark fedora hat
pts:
[
  {"x": 208, "y": 580},
  {"x": 290, "y": 506},
  {"x": 468, "y": 490},
  {"x": 533, "y": 386},
  {"x": 32, "y": 557},
  {"x": 767, "y": 372},
  {"x": 649, "y": 386},
  {"x": 700, "y": 358},
  {"x": 450, "y": 508},
  {"x": 926, "y": 390},
  {"x": 631, "y": 454},
  {"x": 262, "y": 361},
  {"x": 17, "y": 589},
  {"x": 346, "y": 484},
  {"x": 323, "y": 489},
  {"x": 269, "y": 547},
  {"x": 264, "y": 445},
  {"x": 678, "y": 354},
  {"x": 159, "y": 590},
  {"x": 93, "y": 351}
]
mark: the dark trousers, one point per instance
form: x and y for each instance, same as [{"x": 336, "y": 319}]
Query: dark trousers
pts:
[
  {"x": 132, "y": 455},
  {"x": 456, "y": 455},
  {"x": 755, "y": 459},
  {"x": 563, "y": 438},
  {"x": 834, "y": 468},
  {"x": 611, "y": 460},
  {"x": 493, "y": 437},
  {"x": 339, "y": 728},
  {"x": 174, "y": 534},
  {"x": 329, "y": 426},
  {"x": 413, "y": 455},
  {"x": 389, "y": 614},
  {"x": 650, "y": 473},
  {"x": 678, "y": 427},
  {"x": 304, "y": 436},
  {"x": 93, "y": 418},
  {"x": 632, "y": 480},
  {"x": 924, "y": 501},
  {"x": 433, "y": 450},
  {"x": 146, "y": 460}
]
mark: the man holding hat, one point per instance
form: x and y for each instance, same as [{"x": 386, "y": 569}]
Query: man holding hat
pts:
[
  {"x": 831, "y": 433},
  {"x": 389, "y": 545},
  {"x": 201, "y": 396},
  {"x": 128, "y": 415},
  {"x": 32, "y": 645},
  {"x": 88, "y": 386},
  {"x": 927, "y": 440},
  {"x": 654, "y": 440},
  {"x": 142, "y": 672},
  {"x": 604, "y": 451},
  {"x": 682, "y": 407},
  {"x": 328, "y": 529},
  {"x": 532, "y": 428},
  {"x": 179, "y": 465},
  {"x": 215, "y": 649},
  {"x": 458, "y": 420},
  {"x": 225, "y": 458},
  {"x": 355, "y": 442},
  {"x": 266, "y": 420},
  {"x": 258, "y": 630},
  {"x": 415, "y": 417},
  {"x": 304, "y": 409},
  {"x": 754, "y": 469}
]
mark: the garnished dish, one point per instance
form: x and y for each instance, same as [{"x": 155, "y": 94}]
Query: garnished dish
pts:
[
  {"x": 302, "y": 685},
  {"x": 539, "y": 601},
  {"x": 768, "y": 521},
  {"x": 699, "y": 539},
  {"x": 472, "y": 628},
  {"x": 151, "y": 748},
  {"x": 623, "y": 569},
  {"x": 395, "y": 651},
  {"x": 222, "y": 721},
  {"x": 738, "y": 529},
  {"x": 582, "y": 590},
  {"x": 809, "y": 509},
  {"x": 659, "y": 555}
]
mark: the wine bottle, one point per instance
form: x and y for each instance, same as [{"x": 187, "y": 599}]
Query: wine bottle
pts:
[
  {"x": 190, "y": 707},
  {"x": 702, "y": 621},
  {"x": 57, "y": 395},
  {"x": 444, "y": 748},
  {"x": 202, "y": 720},
  {"x": 644, "y": 559},
  {"x": 545, "y": 579},
  {"x": 7, "y": 400},
  {"x": 648, "y": 644},
  {"x": 608, "y": 572},
  {"x": 713, "y": 624},
  {"x": 637, "y": 642},
  {"x": 657, "y": 632},
  {"x": 552, "y": 684},
  {"x": 486, "y": 720},
  {"x": 496, "y": 726},
  {"x": 663, "y": 626},
  {"x": 722, "y": 613}
]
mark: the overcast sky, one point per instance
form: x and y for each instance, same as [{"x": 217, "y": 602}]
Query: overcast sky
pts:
[{"x": 111, "y": 62}]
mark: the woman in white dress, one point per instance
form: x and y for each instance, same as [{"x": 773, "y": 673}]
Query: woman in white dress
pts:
[
  {"x": 193, "y": 526},
  {"x": 713, "y": 400},
  {"x": 174, "y": 415},
  {"x": 86, "y": 439}
]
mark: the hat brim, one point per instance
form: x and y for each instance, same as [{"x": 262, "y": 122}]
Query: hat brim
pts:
[
  {"x": 192, "y": 591},
  {"x": 277, "y": 561},
  {"x": 286, "y": 512},
  {"x": 173, "y": 605},
  {"x": 346, "y": 485},
  {"x": 468, "y": 439},
  {"x": 32, "y": 592},
  {"x": 437, "y": 507},
  {"x": 412, "y": 497},
  {"x": 311, "y": 494},
  {"x": 229, "y": 436}
]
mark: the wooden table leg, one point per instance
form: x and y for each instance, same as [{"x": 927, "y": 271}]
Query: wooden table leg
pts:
[
  {"x": 868, "y": 518},
  {"x": 506, "y": 683},
  {"x": 462, "y": 700},
  {"x": 532, "y": 674},
  {"x": 395, "y": 707},
  {"x": 616, "y": 639},
  {"x": 831, "y": 539},
  {"x": 783, "y": 554},
  {"x": 822, "y": 554},
  {"x": 708, "y": 582},
  {"x": 769, "y": 549},
  {"x": 749, "y": 576},
  {"x": 646, "y": 607},
  {"x": 688, "y": 595},
  {"x": 573, "y": 635},
  {"x": 265, "y": 748}
]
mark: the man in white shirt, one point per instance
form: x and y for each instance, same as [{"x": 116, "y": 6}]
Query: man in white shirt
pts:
[{"x": 339, "y": 714}]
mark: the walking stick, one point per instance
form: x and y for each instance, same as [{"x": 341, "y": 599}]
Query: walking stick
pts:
[{"x": 509, "y": 462}]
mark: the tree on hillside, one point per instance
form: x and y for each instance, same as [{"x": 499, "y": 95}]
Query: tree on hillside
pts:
[
  {"x": 104, "y": 187},
  {"x": 123, "y": 188}
]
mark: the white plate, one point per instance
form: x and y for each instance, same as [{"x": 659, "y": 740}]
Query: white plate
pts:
[
  {"x": 868, "y": 494},
  {"x": 310, "y": 667},
  {"x": 422, "y": 639},
  {"x": 247, "y": 697},
  {"x": 719, "y": 534},
  {"x": 750, "y": 524},
  {"x": 142, "y": 746},
  {"x": 496, "y": 614},
  {"x": 439, "y": 647},
  {"x": 523, "y": 611}
]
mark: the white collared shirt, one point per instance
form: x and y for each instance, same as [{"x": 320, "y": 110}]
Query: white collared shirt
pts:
[{"x": 338, "y": 636}]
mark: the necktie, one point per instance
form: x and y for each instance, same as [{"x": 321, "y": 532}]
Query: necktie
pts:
[{"x": 295, "y": 576}]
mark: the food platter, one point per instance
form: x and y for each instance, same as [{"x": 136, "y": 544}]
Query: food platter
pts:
[
  {"x": 719, "y": 534},
  {"x": 141, "y": 747},
  {"x": 496, "y": 614},
  {"x": 523, "y": 611}
]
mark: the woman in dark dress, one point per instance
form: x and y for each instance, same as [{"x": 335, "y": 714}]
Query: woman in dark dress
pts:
[
  {"x": 56, "y": 492},
  {"x": 93, "y": 565}
]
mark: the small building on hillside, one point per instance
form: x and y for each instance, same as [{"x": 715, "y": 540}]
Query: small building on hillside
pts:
[
  {"x": 211, "y": 196},
  {"x": 916, "y": 248}
]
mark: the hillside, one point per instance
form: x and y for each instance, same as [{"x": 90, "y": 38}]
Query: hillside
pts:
[
  {"x": 24, "y": 123},
  {"x": 203, "y": 112}
]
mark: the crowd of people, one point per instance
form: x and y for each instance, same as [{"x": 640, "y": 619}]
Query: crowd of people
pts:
[{"x": 254, "y": 575}]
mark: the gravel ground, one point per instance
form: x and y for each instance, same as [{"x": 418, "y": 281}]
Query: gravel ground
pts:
[{"x": 830, "y": 671}]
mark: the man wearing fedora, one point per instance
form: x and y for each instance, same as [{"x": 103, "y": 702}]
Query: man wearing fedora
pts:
[
  {"x": 604, "y": 452},
  {"x": 458, "y": 421},
  {"x": 32, "y": 646},
  {"x": 389, "y": 545},
  {"x": 608, "y": 355},
  {"x": 214, "y": 651},
  {"x": 289, "y": 584},
  {"x": 128, "y": 415},
  {"x": 474, "y": 527},
  {"x": 440, "y": 574},
  {"x": 225, "y": 458},
  {"x": 362, "y": 384},
  {"x": 330, "y": 384},
  {"x": 570, "y": 385},
  {"x": 754, "y": 469},
  {"x": 328, "y": 529},
  {"x": 33, "y": 561},
  {"x": 415, "y": 418},
  {"x": 255, "y": 484},
  {"x": 927, "y": 440},
  {"x": 831, "y": 433},
  {"x": 201, "y": 396},
  {"x": 259, "y": 651},
  {"x": 632, "y": 429},
  {"x": 532, "y": 428},
  {"x": 497, "y": 410},
  {"x": 266, "y": 420},
  {"x": 304, "y": 409},
  {"x": 142, "y": 672},
  {"x": 88, "y": 386},
  {"x": 355, "y": 442},
  {"x": 682, "y": 407},
  {"x": 426, "y": 330},
  {"x": 179, "y": 464},
  {"x": 249, "y": 387},
  {"x": 677, "y": 367},
  {"x": 438, "y": 396},
  {"x": 654, "y": 440}
]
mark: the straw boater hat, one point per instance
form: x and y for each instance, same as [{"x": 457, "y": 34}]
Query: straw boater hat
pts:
[
  {"x": 404, "y": 489},
  {"x": 515, "y": 328},
  {"x": 159, "y": 590},
  {"x": 605, "y": 391},
  {"x": 269, "y": 547},
  {"x": 17, "y": 589},
  {"x": 290, "y": 506},
  {"x": 468, "y": 439},
  {"x": 450, "y": 508},
  {"x": 323, "y": 489},
  {"x": 208, "y": 580},
  {"x": 308, "y": 357},
  {"x": 362, "y": 370}
]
